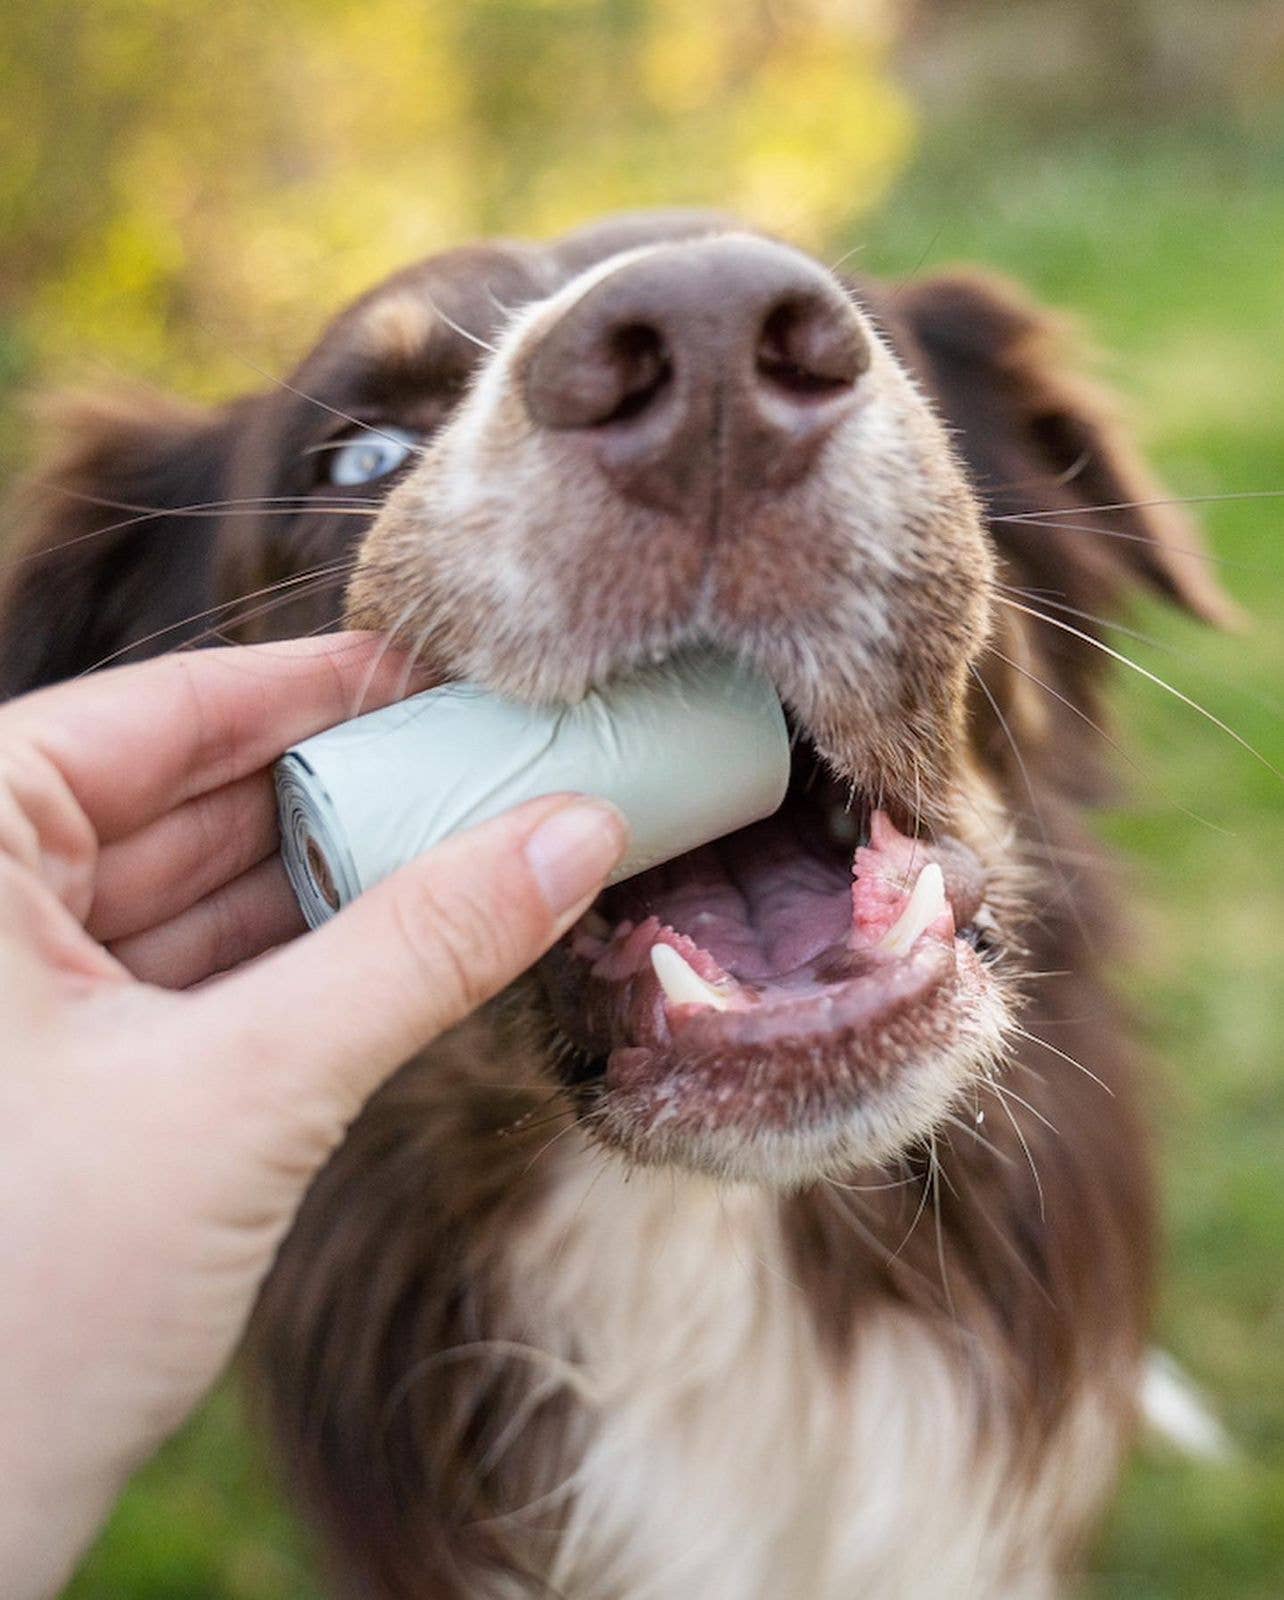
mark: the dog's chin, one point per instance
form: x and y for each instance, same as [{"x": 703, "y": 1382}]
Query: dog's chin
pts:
[
  {"x": 797, "y": 1000},
  {"x": 718, "y": 1126}
]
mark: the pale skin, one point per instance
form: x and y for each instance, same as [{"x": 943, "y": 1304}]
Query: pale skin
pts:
[{"x": 176, "y": 1063}]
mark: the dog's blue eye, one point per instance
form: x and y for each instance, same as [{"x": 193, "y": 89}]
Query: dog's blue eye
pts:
[{"x": 368, "y": 455}]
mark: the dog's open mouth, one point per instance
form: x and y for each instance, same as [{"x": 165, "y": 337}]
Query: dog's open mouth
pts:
[{"x": 781, "y": 973}]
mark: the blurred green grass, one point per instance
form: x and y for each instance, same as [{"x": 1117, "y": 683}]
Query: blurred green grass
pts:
[{"x": 1170, "y": 246}]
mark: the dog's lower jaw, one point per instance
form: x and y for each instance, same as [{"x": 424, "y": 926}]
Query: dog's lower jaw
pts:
[
  {"x": 818, "y": 1008},
  {"x": 882, "y": 1120}
]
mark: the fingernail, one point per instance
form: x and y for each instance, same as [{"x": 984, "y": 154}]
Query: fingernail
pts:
[{"x": 572, "y": 851}]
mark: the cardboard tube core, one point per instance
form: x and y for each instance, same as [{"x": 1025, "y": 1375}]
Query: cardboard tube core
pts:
[{"x": 319, "y": 872}]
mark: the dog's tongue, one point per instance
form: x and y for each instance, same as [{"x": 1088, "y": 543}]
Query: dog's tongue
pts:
[
  {"x": 761, "y": 919},
  {"x": 757, "y": 903}
]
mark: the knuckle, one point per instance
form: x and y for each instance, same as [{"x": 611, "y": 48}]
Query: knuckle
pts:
[
  {"x": 226, "y": 931},
  {"x": 39, "y": 815},
  {"x": 212, "y": 840},
  {"x": 19, "y": 839},
  {"x": 15, "y": 886}
]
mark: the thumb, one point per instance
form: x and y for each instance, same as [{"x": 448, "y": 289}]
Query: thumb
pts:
[{"x": 341, "y": 1008}]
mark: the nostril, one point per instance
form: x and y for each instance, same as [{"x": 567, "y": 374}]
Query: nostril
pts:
[
  {"x": 643, "y": 368},
  {"x": 591, "y": 370},
  {"x": 811, "y": 348}
]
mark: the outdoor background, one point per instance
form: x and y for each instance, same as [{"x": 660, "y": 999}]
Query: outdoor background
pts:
[{"x": 187, "y": 191}]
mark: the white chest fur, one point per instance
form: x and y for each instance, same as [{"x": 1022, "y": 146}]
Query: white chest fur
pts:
[{"x": 726, "y": 1460}]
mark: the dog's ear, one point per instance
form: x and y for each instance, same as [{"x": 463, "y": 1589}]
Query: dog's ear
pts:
[
  {"x": 1040, "y": 439},
  {"x": 106, "y": 551}
]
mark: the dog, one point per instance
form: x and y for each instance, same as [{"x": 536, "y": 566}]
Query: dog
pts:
[{"x": 826, "y": 1271}]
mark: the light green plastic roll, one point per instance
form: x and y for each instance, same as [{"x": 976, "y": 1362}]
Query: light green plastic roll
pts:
[{"x": 688, "y": 751}]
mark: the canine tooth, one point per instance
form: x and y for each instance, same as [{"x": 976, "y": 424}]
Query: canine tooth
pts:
[
  {"x": 925, "y": 904},
  {"x": 681, "y": 984}
]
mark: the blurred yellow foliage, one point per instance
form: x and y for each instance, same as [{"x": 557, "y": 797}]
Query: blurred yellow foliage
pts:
[{"x": 186, "y": 185}]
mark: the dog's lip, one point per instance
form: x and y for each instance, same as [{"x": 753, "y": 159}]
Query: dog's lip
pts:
[
  {"x": 685, "y": 1027},
  {"x": 781, "y": 1072},
  {"x": 800, "y": 1007}
]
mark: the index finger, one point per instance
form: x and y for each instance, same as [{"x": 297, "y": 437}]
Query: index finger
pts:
[{"x": 134, "y": 742}]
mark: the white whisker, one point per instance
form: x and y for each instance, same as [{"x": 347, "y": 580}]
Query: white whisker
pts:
[{"x": 1152, "y": 677}]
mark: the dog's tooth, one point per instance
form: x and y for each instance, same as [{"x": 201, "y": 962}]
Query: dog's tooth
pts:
[
  {"x": 682, "y": 985},
  {"x": 925, "y": 904}
]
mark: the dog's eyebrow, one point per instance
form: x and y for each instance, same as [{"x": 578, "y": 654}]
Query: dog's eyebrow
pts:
[{"x": 399, "y": 328}]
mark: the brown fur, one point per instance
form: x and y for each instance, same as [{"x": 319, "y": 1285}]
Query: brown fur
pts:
[{"x": 372, "y": 1336}]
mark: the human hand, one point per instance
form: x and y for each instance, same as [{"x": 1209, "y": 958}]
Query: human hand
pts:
[{"x": 157, "y": 1130}]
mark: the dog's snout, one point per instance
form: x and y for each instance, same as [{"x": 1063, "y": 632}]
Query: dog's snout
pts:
[{"x": 725, "y": 362}]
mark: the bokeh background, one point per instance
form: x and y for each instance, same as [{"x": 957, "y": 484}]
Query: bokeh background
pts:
[{"x": 187, "y": 190}]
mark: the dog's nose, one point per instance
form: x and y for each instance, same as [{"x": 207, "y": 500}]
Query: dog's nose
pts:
[{"x": 723, "y": 362}]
